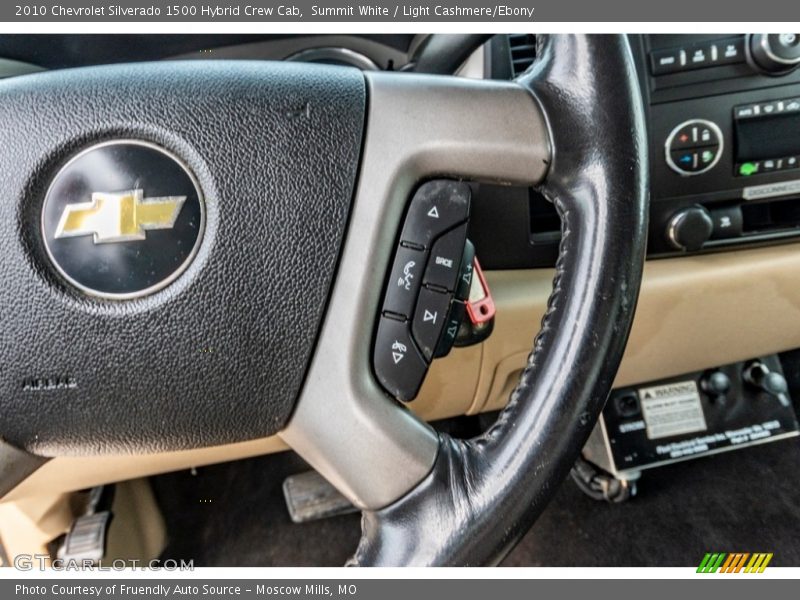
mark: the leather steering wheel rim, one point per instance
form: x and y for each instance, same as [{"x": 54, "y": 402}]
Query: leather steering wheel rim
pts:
[{"x": 483, "y": 494}]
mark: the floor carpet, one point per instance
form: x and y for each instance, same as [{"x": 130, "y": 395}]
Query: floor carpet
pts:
[{"x": 748, "y": 501}]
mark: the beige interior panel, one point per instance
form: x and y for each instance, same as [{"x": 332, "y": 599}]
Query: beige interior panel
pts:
[
  {"x": 450, "y": 385},
  {"x": 693, "y": 313},
  {"x": 27, "y": 527},
  {"x": 76, "y": 473},
  {"x": 137, "y": 531}
]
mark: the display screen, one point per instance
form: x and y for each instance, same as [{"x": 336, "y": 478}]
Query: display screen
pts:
[{"x": 768, "y": 137}]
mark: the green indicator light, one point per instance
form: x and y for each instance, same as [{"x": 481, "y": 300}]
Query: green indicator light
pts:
[{"x": 747, "y": 169}]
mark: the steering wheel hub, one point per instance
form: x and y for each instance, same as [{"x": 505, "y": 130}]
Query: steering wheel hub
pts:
[{"x": 169, "y": 235}]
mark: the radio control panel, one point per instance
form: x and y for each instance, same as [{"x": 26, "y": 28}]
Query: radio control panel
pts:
[
  {"x": 725, "y": 144},
  {"x": 723, "y": 121}
]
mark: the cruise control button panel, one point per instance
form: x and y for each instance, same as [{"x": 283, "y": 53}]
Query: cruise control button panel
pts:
[{"x": 418, "y": 309}]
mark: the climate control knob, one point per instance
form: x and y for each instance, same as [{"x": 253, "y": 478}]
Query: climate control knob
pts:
[
  {"x": 690, "y": 228},
  {"x": 694, "y": 147},
  {"x": 775, "y": 53}
]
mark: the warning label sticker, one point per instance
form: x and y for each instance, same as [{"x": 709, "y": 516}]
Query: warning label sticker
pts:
[{"x": 672, "y": 409}]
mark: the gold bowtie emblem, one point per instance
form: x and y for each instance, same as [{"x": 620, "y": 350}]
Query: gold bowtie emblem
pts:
[{"x": 119, "y": 217}]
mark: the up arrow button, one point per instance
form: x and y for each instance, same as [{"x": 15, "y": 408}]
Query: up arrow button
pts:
[{"x": 437, "y": 206}]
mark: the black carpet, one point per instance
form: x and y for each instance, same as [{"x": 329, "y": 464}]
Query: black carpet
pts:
[{"x": 743, "y": 501}]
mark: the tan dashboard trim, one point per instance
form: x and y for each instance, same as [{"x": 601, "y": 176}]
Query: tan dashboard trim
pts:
[
  {"x": 70, "y": 473},
  {"x": 693, "y": 313}
]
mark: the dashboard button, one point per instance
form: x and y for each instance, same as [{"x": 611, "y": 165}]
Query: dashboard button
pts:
[
  {"x": 769, "y": 108},
  {"x": 429, "y": 320},
  {"x": 771, "y": 165},
  {"x": 694, "y": 135},
  {"x": 707, "y": 156},
  {"x": 747, "y": 169},
  {"x": 694, "y": 147},
  {"x": 687, "y": 160},
  {"x": 667, "y": 61},
  {"x": 444, "y": 264},
  {"x": 684, "y": 138},
  {"x": 437, "y": 206},
  {"x": 699, "y": 56},
  {"x": 690, "y": 228},
  {"x": 398, "y": 364},
  {"x": 404, "y": 282},
  {"x": 731, "y": 50},
  {"x": 747, "y": 111},
  {"x": 727, "y": 222}
]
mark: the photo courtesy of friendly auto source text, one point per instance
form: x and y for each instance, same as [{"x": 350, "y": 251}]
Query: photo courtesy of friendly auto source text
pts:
[{"x": 355, "y": 299}]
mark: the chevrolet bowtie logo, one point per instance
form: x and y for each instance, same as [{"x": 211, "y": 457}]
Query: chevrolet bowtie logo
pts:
[{"x": 119, "y": 217}]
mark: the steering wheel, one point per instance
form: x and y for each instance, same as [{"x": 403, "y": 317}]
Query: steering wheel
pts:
[{"x": 194, "y": 254}]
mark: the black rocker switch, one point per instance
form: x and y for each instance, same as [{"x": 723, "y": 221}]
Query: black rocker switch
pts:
[
  {"x": 773, "y": 383},
  {"x": 458, "y": 309},
  {"x": 716, "y": 384}
]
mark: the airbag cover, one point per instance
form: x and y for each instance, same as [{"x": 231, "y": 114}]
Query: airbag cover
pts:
[{"x": 219, "y": 354}]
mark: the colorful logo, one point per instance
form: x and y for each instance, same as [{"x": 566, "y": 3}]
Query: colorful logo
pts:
[{"x": 734, "y": 562}]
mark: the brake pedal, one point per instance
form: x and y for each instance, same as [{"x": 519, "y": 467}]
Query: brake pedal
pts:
[
  {"x": 310, "y": 497},
  {"x": 87, "y": 538}
]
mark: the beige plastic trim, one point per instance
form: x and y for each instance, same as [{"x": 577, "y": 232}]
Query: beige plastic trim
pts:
[
  {"x": 70, "y": 473},
  {"x": 27, "y": 527},
  {"x": 137, "y": 531},
  {"x": 693, "y": 313}
]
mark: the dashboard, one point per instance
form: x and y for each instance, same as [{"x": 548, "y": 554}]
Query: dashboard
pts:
[{"x": 723, "y": 118}]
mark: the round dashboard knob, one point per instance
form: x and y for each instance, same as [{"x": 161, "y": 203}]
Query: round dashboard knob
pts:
[
  {"x": 694, "y": 147},
  {"x": 775, "y": 53},
  {"x": 690, "y": 228}
]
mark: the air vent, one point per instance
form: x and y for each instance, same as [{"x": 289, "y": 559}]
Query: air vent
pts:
[{"x": 523, "y": 51}]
